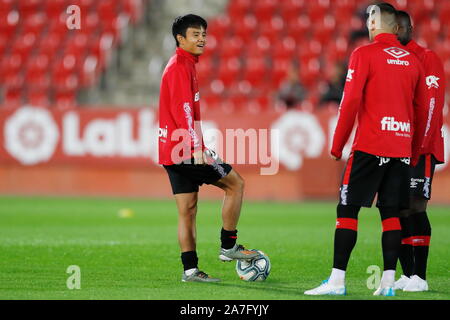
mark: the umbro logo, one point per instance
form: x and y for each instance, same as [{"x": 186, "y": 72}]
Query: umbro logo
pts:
[{"x": 396, "y": 52}]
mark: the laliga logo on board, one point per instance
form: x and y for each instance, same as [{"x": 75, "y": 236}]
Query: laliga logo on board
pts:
[{"x": 31, "y": 135}]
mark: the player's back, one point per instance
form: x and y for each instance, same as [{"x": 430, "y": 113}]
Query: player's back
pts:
[{"x": 386, "y": 116}]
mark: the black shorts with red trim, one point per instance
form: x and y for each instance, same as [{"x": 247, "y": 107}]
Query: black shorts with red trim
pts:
[
  {"x": 367, "y": 175},
  {"x": 186, "y": 177},
  {"x": 422, "y": 177}
]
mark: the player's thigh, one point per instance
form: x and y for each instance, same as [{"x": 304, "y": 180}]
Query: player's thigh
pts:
[
  {"x": 361, "y": 179},
  {"x": 232, "y": 181}
]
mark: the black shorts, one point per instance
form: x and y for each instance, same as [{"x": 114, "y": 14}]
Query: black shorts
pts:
[
  {"x": 366, "y": 175},
  {"x": 187, "y": 177},
  {"x": 422, "y": 177}
]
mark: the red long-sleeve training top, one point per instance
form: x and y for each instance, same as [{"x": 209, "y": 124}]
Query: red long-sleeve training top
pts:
[
  {"x": 385, "y": 88},
  {"x": 179, "y": 108},
  {"x": 435, "y": 81}
]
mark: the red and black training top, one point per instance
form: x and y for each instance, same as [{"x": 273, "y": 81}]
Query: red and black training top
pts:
[
  {"x": 179, "y": 108},
  {"x": 385, "y": 88},
  {"x": 435, "y": 82}
]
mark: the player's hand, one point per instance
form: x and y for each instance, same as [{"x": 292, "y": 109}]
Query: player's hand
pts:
[
  {"x": 335, "y": 158},
  {"x": 199, "y": 157}
]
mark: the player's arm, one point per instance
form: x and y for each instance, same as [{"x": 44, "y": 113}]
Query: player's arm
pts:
[
  {"x": 358, "y": 71},
  {"x": 182, "y": 109},
  {"x": 435, "y": 83}
]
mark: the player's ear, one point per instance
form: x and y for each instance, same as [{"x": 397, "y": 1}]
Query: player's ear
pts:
[
  {"x": 396, "y": 28},
  {"x": 180, "y": 39}
]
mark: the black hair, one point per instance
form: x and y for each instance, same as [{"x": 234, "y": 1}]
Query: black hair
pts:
[
  {"x": 182, "y": 23},
  {"x": 404, "y": 15}
]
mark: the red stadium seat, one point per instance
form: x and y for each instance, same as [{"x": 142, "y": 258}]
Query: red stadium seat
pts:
[
  {"x": 10, "y": 65},
  {"x": 90, "y": 23},
  {"x": 107, "y": 10},
  {"x": 9, "y": 22},
  {"x": 231, "y": 47},
  {"x": 260, "y": 47},
  {"x": 272, "y": 29},
  {"x": 30, "y": 7},
  {"x": 38, "y": 64},
  {"x": 290, "y": 10},
  {"x": 78, "y": 45},
  {"x": 65, "y": 100},
  {"x": 38, "y": 98},
  {"x": 229, "y": 70},
  {"x": 279, "y": 71},
  {"x": 318, "y": 10},
  {"x": 4, "y": 44},
  {"x": 237, "y": 9},
  {"x": 25, "y": 44},
  {"x": 220, "y": 27},
  {"x": 7, "y": 5},
  {"x": 246, "y": 27},
  {"x": 284, "y": 49},
  {"x": 35, "y": 23},
  {"x": 299, "y": 27},
  {"x": 255, "y": 70},
  {"x": 54, "y": 8},
  {"x": 50, "y": 44},
  {"x": 134, "y": 9},
  {"x": 264, "y": 9},
  {"x": 85, "y": 5},
  {"x": 324, "y": 29}
]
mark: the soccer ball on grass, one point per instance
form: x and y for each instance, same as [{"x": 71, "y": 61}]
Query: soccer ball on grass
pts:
[{"x": 257, "y": 269}]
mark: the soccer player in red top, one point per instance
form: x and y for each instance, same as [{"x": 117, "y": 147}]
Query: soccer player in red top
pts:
[
  {"x": 182, "y": 152},
  {"x": 385, "y": 85},
  {"x": 416, "y": 228}
]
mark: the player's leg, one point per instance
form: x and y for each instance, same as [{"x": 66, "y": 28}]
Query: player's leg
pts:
[
  {"x": 393, "y": 196},
  {"x": 390, "y": 242},
  {"x": 186, "y": 196},
  {"x": 421, "y": 181},
  {"x": 233, "y": 186},
  {"x": 421, "y": 234},
  {"x": 359, "y": 184}
]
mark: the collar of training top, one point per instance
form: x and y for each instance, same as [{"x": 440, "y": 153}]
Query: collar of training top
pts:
[
  {"x": 186, "y": 54},
  {"x": 388, "y": 38},
  {"x": 415, "y": 47}
]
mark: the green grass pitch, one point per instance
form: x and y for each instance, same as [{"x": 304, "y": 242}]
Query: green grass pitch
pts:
[{"x": 138, "y": 257}]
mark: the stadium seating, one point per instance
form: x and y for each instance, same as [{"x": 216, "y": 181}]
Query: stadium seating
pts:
[
  {"x": 45, "y": 63},
  {"x": 250, "y": 46},
  {"x": 256, "y": 42}
]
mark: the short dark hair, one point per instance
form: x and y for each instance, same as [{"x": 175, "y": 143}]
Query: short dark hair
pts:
[
  {"x": 182, "y": 23},
  {"x": 404, "y": 15}
]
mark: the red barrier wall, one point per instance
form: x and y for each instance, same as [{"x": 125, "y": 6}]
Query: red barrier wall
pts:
[{"x": 105, "y": 152}]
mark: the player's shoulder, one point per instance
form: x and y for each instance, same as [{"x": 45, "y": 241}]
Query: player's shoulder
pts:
[
  {"x": 432, "y": 56},
  {"x": 176, "y": 65}
]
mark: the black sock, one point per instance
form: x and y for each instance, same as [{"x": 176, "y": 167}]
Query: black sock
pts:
[
  {"x": 391, "y": 238},
  {"x": 406, "y": 255},
  {"x": 421, "y": 241},
  {"x": 189, "y": 260},
  {"x": 228, "y": 238},
  {"x": 345, "y": 235}
]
